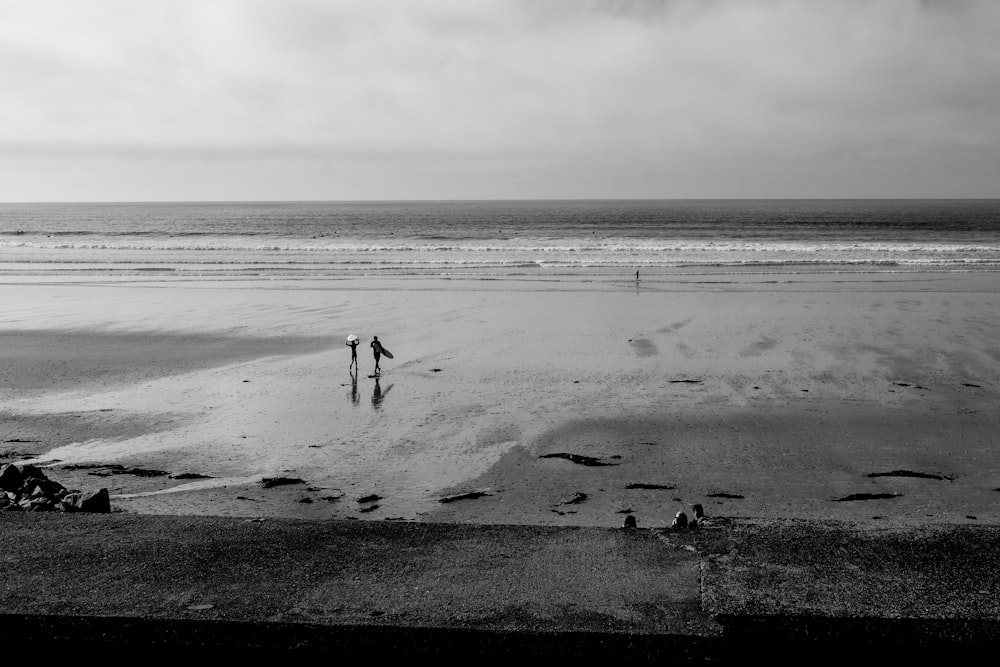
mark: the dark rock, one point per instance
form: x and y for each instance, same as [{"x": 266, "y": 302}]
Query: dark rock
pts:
[
  {"x": 369, "y": 498},
  {"x": 40, "y": 504},
  {"x": 629, "y": 522},
  {"x": 10, "y": 477},
  {"x": 30, "y": 471},
  {"x": 640, "y": 485},
  {"x": 577, "y": 498},
  {"x": 96, "y": 501},
  {"x": 190, "y": 475},
  {"x": 370, "y": 508},
  {"x": 52, "y": 488},
  {"x": 680, "y": 521},
  {"x": 734, "y": 496},
  {"x": 698, "y": 511},
  {"x": 28, "y": 487}
]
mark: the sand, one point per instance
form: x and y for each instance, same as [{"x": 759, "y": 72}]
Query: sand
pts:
[{"x": 757, "y": 394}]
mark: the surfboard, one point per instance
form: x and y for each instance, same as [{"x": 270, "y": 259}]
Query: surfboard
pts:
[{"x": 382, "y": 350}]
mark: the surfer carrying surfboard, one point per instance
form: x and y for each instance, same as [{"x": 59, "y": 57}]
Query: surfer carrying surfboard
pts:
[
  {"x": 378, "y": 351},
  {"x": 352, "y": 342}
]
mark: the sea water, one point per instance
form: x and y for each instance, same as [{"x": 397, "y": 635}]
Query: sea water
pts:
[{"x": 484, "y": 238}]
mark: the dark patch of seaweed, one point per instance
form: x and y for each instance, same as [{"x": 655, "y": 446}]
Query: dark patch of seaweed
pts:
[
  {"x": 578, "y": 458},
  {"x": 867, "y": 496},
  {"x": 909, "y": 473},
  {"x": 270, "y": 482},
  {"x": 577, "y": 498},
  {"x": 471, "y": 495}
]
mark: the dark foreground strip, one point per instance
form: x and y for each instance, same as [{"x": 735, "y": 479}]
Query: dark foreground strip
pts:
[
  {"x": 834, "y": 639},
  {"x": 778, "y": 637},
  {"x": 79, "y": 637}
]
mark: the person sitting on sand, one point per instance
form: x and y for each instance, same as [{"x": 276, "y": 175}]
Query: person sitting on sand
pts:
[{"x": 377, "y": 351}]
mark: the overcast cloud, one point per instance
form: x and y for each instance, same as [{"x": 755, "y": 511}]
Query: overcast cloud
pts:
[{"x": 322, "y": 99}]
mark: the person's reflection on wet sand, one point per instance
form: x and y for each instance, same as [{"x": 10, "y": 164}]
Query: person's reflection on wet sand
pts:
[
  {"x": 378, "y": 395},
  {"x": 355, "y": 397}
]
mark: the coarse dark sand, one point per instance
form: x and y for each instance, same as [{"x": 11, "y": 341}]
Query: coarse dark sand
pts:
[{"x": 205, "y": 586}]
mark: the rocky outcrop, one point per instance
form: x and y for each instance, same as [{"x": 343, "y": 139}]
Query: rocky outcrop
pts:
[{"x": 26, "y": 489}]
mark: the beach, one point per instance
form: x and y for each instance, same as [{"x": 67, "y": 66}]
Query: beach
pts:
[{"x": 850, "y": 394}]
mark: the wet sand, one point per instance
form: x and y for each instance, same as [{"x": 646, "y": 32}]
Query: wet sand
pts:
[{"x": 861, "y": 396}]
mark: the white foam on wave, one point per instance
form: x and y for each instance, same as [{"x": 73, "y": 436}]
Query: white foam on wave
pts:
[{"x": 333, "y": 256}]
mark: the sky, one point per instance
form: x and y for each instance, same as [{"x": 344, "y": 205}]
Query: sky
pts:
[{"x": 221, "y": 100}]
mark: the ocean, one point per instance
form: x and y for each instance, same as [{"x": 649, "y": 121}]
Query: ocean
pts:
[{"x": 495, "y": 238}]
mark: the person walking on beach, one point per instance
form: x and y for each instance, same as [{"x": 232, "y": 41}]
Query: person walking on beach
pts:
[
  {"x": 377, "y": 351},
  {"x": 352, "y": 342}
]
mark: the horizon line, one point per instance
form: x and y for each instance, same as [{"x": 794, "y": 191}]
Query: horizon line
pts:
[{"x": 485, "y": 199}]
